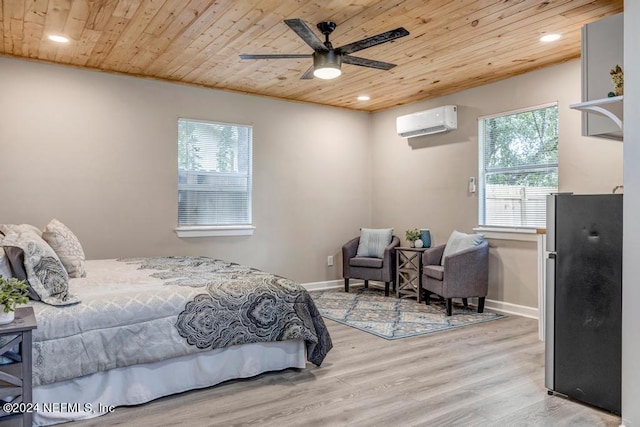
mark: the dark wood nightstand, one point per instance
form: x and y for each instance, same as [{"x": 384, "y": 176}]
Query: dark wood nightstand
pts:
[{"x": 15, "y": 367}]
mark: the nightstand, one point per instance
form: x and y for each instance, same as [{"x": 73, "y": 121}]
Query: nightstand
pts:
[
  {"x": 15, "y": 366},
  {"x": 409, "y": 272}
]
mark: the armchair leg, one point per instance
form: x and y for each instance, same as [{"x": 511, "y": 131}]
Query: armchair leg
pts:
[
  {"x": 427, "y": 297},
  {"x": 464, "y": 303},
  {"x": 346, "y": 284},
  {"x": 386, "y": 289},
  {"x": 481, "y": 304},
  {"x": 366, "y": 284},
  {"x": 448, "y": 306}
]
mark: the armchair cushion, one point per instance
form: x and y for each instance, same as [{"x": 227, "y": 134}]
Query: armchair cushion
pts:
[
  {"x": 435, "y": 271},
  {"x": 459, "y": 242},
  {"x": 366, "y": 262},
  {"x": 373, "y": 242}
]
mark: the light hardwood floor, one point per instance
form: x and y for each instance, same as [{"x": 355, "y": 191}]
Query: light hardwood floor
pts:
[{"x": 491, "y": 374}]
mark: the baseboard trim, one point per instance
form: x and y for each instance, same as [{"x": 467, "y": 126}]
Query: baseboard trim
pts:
[
  {"x": 317, "y": 286},
  {"x": 509, "y": 308},
  {"x": 501, "y": 306}
]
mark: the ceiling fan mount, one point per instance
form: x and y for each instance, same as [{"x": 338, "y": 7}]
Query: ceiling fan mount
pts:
[
  {"x": 326, "y": 28},
  {"x": 327, "y": 60}
]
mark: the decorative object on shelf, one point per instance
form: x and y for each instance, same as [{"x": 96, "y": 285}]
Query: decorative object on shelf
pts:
[
  {"x": 417, "y": 243},
  {"x": 12, "y": 292},
  {"x": 617, "y": 78},
  {"x": 412, "y": 235},
  {"x": 425, "y": 236}
]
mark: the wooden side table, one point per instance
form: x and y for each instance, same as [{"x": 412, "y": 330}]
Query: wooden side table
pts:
[
  {"x": 409, "y": 272},
  {"x": 15, "y": 367}
]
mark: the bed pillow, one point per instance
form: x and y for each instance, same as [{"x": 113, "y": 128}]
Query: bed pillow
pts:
[
  {"x": 373, "y": 242},
  {"x": 67, "y": 246},
  {"x": 5, "y": 267},
  {"x": 17, "y": 228},
  {"x": 459, "y": 242},
  {"x": 44, "y": 271}
]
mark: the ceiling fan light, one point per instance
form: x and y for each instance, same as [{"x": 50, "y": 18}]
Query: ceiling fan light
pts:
[
  {"x": 326, "y": 65},
  {"x": 327, "y": 72}
]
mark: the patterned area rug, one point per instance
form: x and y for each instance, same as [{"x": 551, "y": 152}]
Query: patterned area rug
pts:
[{"x": 390, "y": 317}]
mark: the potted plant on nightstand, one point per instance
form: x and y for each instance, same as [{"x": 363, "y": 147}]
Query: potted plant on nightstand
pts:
[
  {"x": 12, "y": 292},
  {"x": 412, "y": 235}
]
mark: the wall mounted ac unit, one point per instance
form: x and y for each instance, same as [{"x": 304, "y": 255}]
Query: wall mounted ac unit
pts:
[{"x": 436, "y": 120}]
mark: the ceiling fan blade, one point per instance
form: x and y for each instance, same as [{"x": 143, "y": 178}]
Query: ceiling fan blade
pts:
[
  {"x": 374, "y": 40},
  {"x": 354, "y": 60},
  {"x": 275, "y": 56},
  {"x": 305, "y": 33},
  {"x": 308, "y": 75}
]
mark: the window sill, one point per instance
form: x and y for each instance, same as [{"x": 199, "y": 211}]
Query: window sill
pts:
[
  {"x": 511, "y": 233},
  {"x": 215, "y": 230}
]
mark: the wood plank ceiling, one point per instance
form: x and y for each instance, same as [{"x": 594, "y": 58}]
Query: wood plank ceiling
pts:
[{"x": 453, "y": 45}]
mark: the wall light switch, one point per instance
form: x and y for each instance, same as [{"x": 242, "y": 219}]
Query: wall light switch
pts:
[
  {"x": 330, "y": 261},
  {"x": 472, "y": 184}
]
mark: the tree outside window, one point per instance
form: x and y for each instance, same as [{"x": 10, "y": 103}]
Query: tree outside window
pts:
[{"x": 518, "y": 166}]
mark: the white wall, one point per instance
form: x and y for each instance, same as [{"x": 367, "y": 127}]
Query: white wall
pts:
[
  {"x": 99, "y": 152},
  {"x": 631, "y": 243},
  {"x": 422, "y": 182}
]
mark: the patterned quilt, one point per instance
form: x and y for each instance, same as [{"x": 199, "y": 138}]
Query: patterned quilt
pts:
[{"x": 144, "y": 310}]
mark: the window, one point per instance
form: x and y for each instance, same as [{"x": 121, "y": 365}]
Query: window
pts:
[
  {"x": 214, "y": 176},
  {"x": 518, "y": 166}
]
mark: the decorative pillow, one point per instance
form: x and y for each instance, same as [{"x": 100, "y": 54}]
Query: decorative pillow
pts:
[
  {"x": 459, "y": 242},
  {"x": 45, "y": 273},
  {"x": 17, "y": 228},
  {"x": 5, "y": 267},
  {"x": 67, "y": 246},
  {"x": 374, "y": 241}
]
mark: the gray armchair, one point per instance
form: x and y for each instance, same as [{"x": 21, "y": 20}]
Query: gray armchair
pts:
[
  {"x": 366, "y": 268},
  {"x": 465, "y": 274}
]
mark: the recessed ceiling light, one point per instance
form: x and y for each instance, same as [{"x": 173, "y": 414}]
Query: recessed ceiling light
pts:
[
  {"x": 549, "y": 37},
  {"x": 364, "y": 98},
  {"x": 58, "y": 39}
]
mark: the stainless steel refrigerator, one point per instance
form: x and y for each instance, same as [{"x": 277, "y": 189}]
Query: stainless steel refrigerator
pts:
[{"x": 583, "y": 324}]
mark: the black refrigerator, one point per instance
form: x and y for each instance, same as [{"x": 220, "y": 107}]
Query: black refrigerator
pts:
[{"x": 583, "y": 323}]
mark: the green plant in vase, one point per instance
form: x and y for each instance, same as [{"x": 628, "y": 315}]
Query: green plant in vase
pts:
[
  {"x": 412, "y": 235},
  {"x": 12, "y": 293}
]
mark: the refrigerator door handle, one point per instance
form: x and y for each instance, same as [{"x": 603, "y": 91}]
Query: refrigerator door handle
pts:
[{"x": 550, "y": 286}]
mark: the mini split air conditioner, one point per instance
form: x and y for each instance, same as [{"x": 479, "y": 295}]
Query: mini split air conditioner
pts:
[{"x": 436, "y": 120}]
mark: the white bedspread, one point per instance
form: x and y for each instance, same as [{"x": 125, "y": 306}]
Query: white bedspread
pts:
[{"x": 128, "y": 317}]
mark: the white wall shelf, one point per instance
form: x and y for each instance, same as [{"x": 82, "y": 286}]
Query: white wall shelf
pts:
[{"x": 611, "y": 108}]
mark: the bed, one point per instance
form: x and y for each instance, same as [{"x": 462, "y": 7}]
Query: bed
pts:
[{"x": 150, "y": 327}]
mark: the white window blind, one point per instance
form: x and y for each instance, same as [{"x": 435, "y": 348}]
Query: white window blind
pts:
[
  {"x": 214, "y": 173},
  {"x": 518, "y": 166}
]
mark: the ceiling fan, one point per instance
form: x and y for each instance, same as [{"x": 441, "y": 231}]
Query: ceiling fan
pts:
[{"x": 327, "y": 59}]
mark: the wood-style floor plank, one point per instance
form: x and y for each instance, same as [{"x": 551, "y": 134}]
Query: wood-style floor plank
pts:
[{"x": 490, "y": 374}]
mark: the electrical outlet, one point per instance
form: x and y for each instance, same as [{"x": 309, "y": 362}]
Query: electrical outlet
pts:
[{"x": 330, "y": 261}]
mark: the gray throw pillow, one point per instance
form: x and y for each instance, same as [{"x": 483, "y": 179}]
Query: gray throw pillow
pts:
[
  {"x": 373, "y": 242},
  {"x": 459, "y": 242},
  {"x": 46, "y": 275}
]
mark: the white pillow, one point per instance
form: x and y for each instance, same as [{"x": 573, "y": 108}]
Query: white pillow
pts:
[
  {"x": 67, "y": 246},
  {"x": 373, "y": 242},
  {"x": 459, "y": 242}
]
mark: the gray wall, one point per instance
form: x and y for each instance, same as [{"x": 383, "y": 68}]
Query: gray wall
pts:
[
  {"x": 99, "y": 152},
  {"x": 631, "y": 249},
  {"x": 422, "y": 182}
]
